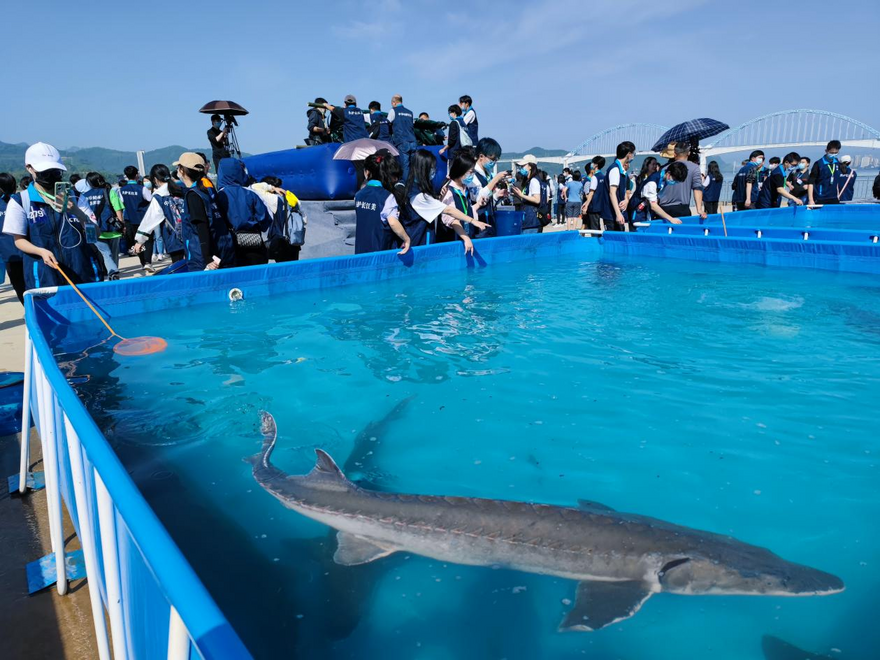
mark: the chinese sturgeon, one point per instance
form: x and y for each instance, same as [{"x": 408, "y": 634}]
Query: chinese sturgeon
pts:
[{"x": 618, "y": 559}]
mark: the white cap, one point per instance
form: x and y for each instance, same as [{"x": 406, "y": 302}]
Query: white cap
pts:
[
  {"x": 42, "y": 157},
  {"x": 528, "y": 158},
  {"x": 846, "y": 159}
]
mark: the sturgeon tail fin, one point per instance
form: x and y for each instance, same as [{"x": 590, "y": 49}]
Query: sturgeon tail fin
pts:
[{"x": 270, "y": 434}]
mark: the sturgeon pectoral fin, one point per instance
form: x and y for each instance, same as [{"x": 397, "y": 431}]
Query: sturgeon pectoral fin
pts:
[
  {"x": 353, "y": 550},
  {"x": 600, "y": 604}
]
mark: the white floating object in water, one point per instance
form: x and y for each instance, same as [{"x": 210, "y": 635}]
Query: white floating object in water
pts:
[{"x": 235, "y": 295}]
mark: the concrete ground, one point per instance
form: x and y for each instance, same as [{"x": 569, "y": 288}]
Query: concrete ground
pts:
[{"x": 44, "y": 625}]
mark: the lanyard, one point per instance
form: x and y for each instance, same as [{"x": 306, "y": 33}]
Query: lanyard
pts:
[
  {"x": 831, "y": 168},
  {"x": 464, "y": 200}
]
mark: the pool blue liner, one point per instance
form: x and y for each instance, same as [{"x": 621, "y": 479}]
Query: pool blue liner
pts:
[
  {"x": 832, "y": 216},
  {"x": 154, "y": 573}
]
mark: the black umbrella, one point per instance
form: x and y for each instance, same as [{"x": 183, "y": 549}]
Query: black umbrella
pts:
[
  {"x": 223, "y": 108},
  {"x": 689, "y": 131}
]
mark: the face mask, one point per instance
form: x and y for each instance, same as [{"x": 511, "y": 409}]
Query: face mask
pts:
[
  {"x": 488, "y": 166},
  {"x": 831, "y": 156},
  {"x": 671, "y": 182},
  {"x": 48, "y": 178},
  {"x": 802, "y": 166},
  {"x": 759, "y": 161},
  {"x": 148, "y": 185},
  {"x": 468, "y": 180},
  {"x": 215, "y": 124},
  {"x": 452, "y": 117},
  {"x": 524, "y": 171}
]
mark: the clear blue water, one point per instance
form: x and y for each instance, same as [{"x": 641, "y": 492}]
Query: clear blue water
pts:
[{"x": 736, "y": 399}]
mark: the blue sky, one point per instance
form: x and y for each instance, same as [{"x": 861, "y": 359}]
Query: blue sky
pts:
[{"x": 547, "y": 72}]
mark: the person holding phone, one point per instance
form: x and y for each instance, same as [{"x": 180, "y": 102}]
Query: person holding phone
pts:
[{"x": 48, "y": 227}]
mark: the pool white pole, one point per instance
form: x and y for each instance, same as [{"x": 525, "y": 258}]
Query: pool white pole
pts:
[
  {"x": 87, "y": 537},
  {"x": 53, "y": 480},
  {"x": 178, "y": 637},
  {"x": 40, "y": 396},
  {"x": 110, "y": 550},
  {"x": 25, "y": 416}
]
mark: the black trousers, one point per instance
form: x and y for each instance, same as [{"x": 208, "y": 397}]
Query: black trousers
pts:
[
  {"x": 281, "y": 251},
  {"x": 741, "y": 206},
  {"x": 251, "y": 256},
  {"x": 146, "y": 255},
  {"x": 15, "y": 273},
  {"x": 593, "y": 221},
  {"x": 711, "y": 207},
  {"x": 833, "y": 200},
  {"x": 677, "y": 210},
  {"x": 180, "y": 255}
]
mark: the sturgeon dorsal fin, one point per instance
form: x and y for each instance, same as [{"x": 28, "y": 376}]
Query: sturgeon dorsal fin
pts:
[
  {"x": 593, "y": 507},
  {"x": 326, "y": 475}
]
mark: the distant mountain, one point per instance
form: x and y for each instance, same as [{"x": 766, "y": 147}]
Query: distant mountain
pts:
[
  {"x": 110, "y": 162},
  {"x": 537, "y": 152}
]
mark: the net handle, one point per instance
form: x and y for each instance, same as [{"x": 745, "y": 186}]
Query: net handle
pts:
[{"x": 86, "y": 301}]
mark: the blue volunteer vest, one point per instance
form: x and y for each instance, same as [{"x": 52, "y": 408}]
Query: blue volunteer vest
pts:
[
  {"x": 8, "y": 251},
  {"x": 135, "y": 206},
  {"x": 419, "y": 231},
  {"x": 46, "y": 228},
  {"x": 371, "y": 233},
  {"x": 380, "y": 119},
  {"x": 530, "y": 220},
  {"x": 473, "y": 129},
  {"x": 739, "y": 195},
  {"x": 403, "y": 136},
  {"x": 354, "y": 127},
  {"x": 605, "y": 188},
  {"x": 599, "y": 204},
  {"x": 846, "y": 186},
  {"x": 712, "y": 192},
  {"x": 221, "y": 238},
  {"x": 98, "y": 200},
  {"x": 172, "y": 227},
  {"x": 827, "y": 177}
]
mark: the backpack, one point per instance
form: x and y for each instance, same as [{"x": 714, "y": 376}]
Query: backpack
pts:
[
  {"x": 293, "y": 224},
  {"x": 464, "y": 137},
  {"x": 544, "y": 215}
]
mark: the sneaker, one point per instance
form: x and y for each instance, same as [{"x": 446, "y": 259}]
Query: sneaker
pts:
[
  {"x": 113, "y": 277},
  {"x": 148, "y": 268}
]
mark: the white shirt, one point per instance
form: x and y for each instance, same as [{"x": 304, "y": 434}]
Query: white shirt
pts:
[
  {"x": 534, "y": 188},
  {"x": 153, "y": 217},
  {"x": 469, "y": 116},
  {"x": 483, "y": 191},
  {"x": 614, "y": 177},
  {"x": 15, "y": 221},
  {"x": 390, "y": 210},
  {"x": 594, "y": 183},
  {"x": 649, "y": 191},
  {"x": 427, "y": 207}
]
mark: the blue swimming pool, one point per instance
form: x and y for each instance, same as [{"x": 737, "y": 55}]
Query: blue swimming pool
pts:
[{"x": 730, "y": 398}]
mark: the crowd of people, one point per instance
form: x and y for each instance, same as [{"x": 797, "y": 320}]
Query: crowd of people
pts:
[{"x": 83, "y": 226}]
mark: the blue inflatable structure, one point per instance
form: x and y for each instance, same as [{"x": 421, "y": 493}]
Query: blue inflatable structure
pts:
[{"x": 312, "y": 174}]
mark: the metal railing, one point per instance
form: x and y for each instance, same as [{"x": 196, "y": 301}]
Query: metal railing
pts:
[{"x": 138, "y": 578}]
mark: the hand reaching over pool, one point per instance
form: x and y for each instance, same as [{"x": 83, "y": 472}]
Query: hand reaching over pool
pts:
[
  {"x": 468, "y": 244},
  {"x": 404, "y": 248}
]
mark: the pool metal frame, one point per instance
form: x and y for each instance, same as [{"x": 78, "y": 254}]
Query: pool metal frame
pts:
[{"x": 156, "y": 604}]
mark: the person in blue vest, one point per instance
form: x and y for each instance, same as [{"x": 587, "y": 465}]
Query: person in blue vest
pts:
[
  {"x": 423, "y": 209},
  {"x": 825, "y": 177},
  {"x": 380, "y": 128},
  {"x": 457, "y": 192},
  {"x": 745, "y": 183},
  {"x": 206, "y": 237},
  {"x": 245, "y": 213},
  {"x": 135, "y": 200},
  {"x": 799, "y": 179},
  {"x": 486, "y": 181},
  {"x": 97, "y": 197},
  {"x": 454, "y": 133},
  {"x": 847, "y": 182},
  {"x": 319, "y": 133},
  {"x": 776, "y": 185},
  {"x": 469, "y": 118},
  {"x": 403, "y": 135},
  {"x": 533, "y": 195},
  {"x": 354, "y": 126},
  {"x": 595, "y": 181},
  {"x": 712, "y": 187},
  {"x": 377, "y": 226},
  {"x": 50, "y": 236},
  {"x": 617, "y": 187},
  {"x": 164, "y": 214},
  {"x": 12, "y": 256}
]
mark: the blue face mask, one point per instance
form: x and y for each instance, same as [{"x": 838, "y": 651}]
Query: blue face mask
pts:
[
  {"x": 468, "y": 180},
  {"x": 671, "y": 182},
  {"x": 216, "y": 124},
  {"x": 489, "y": 167},
  {"x": 802, "y": 166},
  {"x": 148, "y": 185},
  {"x": 524, "y": 171}
]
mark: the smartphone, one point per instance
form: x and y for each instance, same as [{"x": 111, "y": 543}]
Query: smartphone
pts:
[
  {"x": 91, "y": 233},
  {"x": 62, "y": 193}
]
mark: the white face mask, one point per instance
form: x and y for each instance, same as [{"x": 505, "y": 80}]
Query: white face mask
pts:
[{"x": 759, "y": 161}]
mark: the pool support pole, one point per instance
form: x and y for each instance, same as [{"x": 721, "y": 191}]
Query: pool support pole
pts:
[{"x": 25, "y": 415}]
